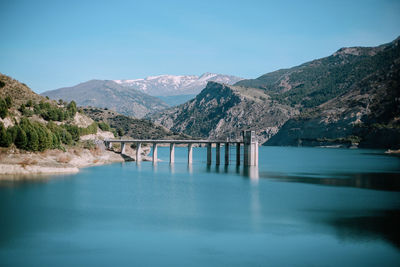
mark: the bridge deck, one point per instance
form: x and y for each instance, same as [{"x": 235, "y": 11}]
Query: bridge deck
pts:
[{"x": 249, "y": 142}]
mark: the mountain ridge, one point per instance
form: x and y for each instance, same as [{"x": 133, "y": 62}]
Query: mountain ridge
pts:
[
  {"x": 108, "y": 94},
  {"x": 138, "y": 97},
  {"x": 170, "y": 85},
  {"x": 319, "y": 99}
]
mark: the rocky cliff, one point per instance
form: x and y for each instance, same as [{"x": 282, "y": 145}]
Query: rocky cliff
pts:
[{"x": 222, "y": 111}]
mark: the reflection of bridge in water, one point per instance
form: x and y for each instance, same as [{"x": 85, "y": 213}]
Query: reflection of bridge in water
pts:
[
  {"x": 248, "y": 142},
  {"x": 246, "y": 172}
]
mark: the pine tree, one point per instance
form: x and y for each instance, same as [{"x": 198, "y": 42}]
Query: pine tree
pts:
[
  {"x": 5, "y": 139},
  {"x": 49, "y": 139},
  {"x": 33, "y": 139},
  {"x": 61, "y": 115},
  {"x": 12, "y": 133},
  {"x": 72, "y": 108},
  {"x": 68, "y": 138},
  {"x": 42, "y": 139},
  {"x": 56, "y": 141},
  {"x": 3, "y": 108},
  {"x": 8, "y": 101},
  {"x": 21, "y": 140}
]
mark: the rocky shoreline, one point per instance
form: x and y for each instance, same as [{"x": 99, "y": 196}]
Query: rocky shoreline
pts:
[{"x": 16, "y": 164}]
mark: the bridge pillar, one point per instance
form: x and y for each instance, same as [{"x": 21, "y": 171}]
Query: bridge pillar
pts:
[
  {"x": 238, "y": 153},
  {"x": 109, "y": 145},
  {"x": 226, "y": 153},
  {"x": 154, "y": 153},
  {"x": 171, "y": 153},
  {"x": 122, "y": 147},
  {"x": 190, "y": 152},
  {"x": 138, "y": 148},
  {"x": 209, "y": 153},
  {"x": 250, "y": 148},
  {"x": 218, "y": 153}
]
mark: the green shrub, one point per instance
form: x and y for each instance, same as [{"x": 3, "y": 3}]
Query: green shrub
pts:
[
  {"x": 12, "y": 133},
  {"x": 33, "y": 139},
  {"x": 45, "y": 139},
  {"x": 56, "y": 143},
  {"x": 71, "y": 108},
  {"x": 3, "y": 108},
  {"x": 21, "y": 140},
  {"x": 120, "y": 131},
  {"x": 114, "y": 132},
  {"x": 29, "y": 103},
  {"x": 73, "y": 130},
  {"x": 104, "y": 126},
  {"x": 8, "y": 101},
  {"x": 5, "y": 136}
]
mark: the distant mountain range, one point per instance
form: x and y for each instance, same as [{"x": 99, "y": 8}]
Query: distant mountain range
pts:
[
  {"x": 138, "y": 97},
  {"x": 109, "y": 94},
  {"x": 172, "y": 85},
  {"x": 351, "y": 98}
]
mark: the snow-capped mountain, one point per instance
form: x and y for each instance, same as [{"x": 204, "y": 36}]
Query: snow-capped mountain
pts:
[
  {"x": 108, "y": 94},
  {"x": 169, "y": 85}
]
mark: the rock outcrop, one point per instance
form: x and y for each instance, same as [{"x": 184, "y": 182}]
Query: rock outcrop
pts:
[{"x": 222, "y": 111}]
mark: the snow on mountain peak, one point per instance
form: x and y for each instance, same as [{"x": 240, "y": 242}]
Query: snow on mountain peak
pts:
[
  {"x": 167, "y": 85},
  {"x": 122, "y": 82}
]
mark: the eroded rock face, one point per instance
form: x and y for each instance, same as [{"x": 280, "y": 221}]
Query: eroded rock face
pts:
[
  {"x": 82, "y": 120},
  {"x": 222, "y": 111}
]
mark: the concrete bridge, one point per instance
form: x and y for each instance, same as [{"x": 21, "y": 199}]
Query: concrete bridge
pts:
[{"x": 249, "y": 143}]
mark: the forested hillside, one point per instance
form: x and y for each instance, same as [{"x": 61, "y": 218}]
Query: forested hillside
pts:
[{"x": 33, "y": 123}]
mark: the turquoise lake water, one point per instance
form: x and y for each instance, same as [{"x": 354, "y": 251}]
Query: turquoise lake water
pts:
[{"x": 300, "y": 207}]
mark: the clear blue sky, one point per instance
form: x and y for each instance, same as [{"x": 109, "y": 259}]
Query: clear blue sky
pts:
[{"x": 52, "y": 44}]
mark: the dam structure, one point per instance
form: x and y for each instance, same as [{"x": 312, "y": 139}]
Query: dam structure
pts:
[{"x": 249, "y": 144}]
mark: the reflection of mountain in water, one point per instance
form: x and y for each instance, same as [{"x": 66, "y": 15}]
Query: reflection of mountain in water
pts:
[
  {"x": 362, "y": 227},
  {"x": 383, "y": 225},
  {"x": 27, "y": 204},
  {"x": 377, "y": 181}
]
